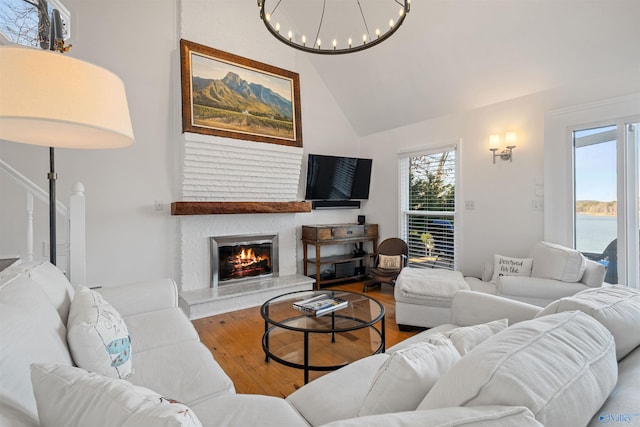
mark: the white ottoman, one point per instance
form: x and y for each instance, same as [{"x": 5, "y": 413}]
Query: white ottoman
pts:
[{"x": 423, "y": 296}]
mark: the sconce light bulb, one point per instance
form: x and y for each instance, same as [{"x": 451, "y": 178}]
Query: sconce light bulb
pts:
[
  {"x": 510, "y": 138},
  {"x": 494, "y": 142}
]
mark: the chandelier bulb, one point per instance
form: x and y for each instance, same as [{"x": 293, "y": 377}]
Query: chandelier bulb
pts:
[
  {"x": 335, "y": 43},
  {"x": 278, "y": 27},
  {"x": 378, "y": 32},
  {"x": 268, "y": 17},
  {"x": 350, "y": 42},
  {"x": 304, "y": 40},
  {"x": 390, "y": 23},
  {"x": 319, "y": 43},
  {"x": 290, "y": 34},
  {"x": 364, "y": 38}
]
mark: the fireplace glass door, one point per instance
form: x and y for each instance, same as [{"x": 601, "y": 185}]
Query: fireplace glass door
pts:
[{"x": 236, "y": 258}]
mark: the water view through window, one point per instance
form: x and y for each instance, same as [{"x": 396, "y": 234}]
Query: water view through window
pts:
[
  {"x": 606, "y": 199},
  {"x": 595, "y": 188}
]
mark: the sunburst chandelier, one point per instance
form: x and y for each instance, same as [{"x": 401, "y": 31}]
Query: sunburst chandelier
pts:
[{"x": 333, "y": 26}]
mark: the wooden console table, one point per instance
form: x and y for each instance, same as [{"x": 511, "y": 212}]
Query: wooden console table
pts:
[{"x": 337, "y": 234}]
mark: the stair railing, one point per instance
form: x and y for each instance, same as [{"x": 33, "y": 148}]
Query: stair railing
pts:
[{"x": 73, "y": 254}]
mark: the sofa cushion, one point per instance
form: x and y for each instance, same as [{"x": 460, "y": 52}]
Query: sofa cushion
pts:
[
  {"x": 478, "y": 416},
  {"x": 159, "y": 328},
  {"x": 343, "y": 392},
  {"x": 551, "y": 261},
  {"x": 186, "y": 371},
  {"x": 420, "y": 285},
  {"x": 619, "y": 409},
  {"x": 406, "y": 377},
  {"x": 85, "y": 398},
  {"x": 12, "y": 416},
  {"x": 98, "y": 336},
  {"x": 245, "y": 410},
  {"x": 508, "y": 266},
  {"x": 616, "y": 307},
  {"x": 466, "y": 338},
  {"x": 30, "y": 331},
  {"x": 561, "y": 366},
  {"x": 536, "y": 290}
]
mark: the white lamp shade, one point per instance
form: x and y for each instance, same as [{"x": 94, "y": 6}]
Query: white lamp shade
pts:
[
  {"x": 49, "y": 99},
  {"x": 494, "y": 142}
]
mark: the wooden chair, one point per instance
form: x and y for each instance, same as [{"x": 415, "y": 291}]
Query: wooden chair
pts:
[{"x": 378, "y": 274}]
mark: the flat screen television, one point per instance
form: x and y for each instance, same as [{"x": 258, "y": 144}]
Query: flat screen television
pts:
[{"x": 337, "y": 178}]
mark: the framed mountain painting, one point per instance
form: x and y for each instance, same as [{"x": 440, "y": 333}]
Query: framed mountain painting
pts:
[{"x": 231, "y": 96}]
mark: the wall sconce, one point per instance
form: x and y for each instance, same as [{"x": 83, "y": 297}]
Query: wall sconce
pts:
[{"x": 494, "y": 145}]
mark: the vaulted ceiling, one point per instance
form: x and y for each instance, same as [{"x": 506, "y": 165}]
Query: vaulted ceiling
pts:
[{"x": 453, "y": 55}]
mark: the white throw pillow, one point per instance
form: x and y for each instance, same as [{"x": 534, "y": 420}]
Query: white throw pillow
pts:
[
  {"x": 68, "y": 396},
  {"x": 466, "y": 338},
  {"x": 98, "y": 337},
  {"x": 390, "y": 262},
  {"x": 508, "y": 266},
  {"x": 406, "y": 377},
  {"x": 616, "y": 307},
  {"x": 562, "y": 367}
]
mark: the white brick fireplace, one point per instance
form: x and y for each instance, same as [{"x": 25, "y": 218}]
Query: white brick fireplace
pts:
[{"x": 225, "y": 170}]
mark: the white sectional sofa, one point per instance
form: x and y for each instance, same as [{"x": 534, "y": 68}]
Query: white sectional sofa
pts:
[
  {"x": 469, "y": 372},
  {"x": 423, "y": 296}
]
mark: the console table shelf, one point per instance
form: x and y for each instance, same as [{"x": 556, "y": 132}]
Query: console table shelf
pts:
[{"x": 319, "y": 236}]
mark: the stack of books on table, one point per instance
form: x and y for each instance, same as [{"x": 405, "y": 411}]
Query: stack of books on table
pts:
[{"x": 320, "y": 305}]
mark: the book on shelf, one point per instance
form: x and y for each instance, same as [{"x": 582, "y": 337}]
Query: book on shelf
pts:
[{"x": 320, "y": 305}]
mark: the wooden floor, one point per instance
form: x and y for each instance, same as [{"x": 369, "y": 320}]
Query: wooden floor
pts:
[{"x": 235, "y": 339}]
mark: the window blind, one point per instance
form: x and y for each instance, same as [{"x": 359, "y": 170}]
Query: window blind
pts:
[{"x": 427, "y": 188}]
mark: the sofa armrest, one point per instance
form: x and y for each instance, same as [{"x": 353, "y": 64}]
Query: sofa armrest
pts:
[
  {"x": 472, "y": 308},
  {"x": 141, "y": 297}
]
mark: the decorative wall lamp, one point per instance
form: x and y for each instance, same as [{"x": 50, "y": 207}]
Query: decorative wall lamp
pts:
[
  {"x": 333, "y": 26},
  {"x": 53, "y": 100},
  {"x": 510, "y": 139}
]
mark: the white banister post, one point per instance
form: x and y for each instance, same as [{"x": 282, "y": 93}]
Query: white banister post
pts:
[
  {"x": 77, "y": 236},
  {"x": 29, "y": 255}
]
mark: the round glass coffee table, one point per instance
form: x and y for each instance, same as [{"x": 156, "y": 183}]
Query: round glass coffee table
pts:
[{"x": 325, "y": 343}]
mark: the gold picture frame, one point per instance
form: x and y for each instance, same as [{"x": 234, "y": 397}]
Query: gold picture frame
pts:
[{"x": 230, "y": 96}]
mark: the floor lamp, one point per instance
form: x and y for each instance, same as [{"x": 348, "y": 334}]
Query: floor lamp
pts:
[{"x": 53, "y": 100}]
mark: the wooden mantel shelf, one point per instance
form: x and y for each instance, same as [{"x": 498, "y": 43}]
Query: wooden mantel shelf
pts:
[{"x": 219, "y": 208}]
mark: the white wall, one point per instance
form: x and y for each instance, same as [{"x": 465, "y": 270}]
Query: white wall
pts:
[{"x": 503, "y": 221}]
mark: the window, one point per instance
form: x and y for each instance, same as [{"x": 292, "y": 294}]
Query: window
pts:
[
  {"x": 427, "y": 188},
  {"x": 19, "y": 21},
  {"x": 605, "y": 198}
]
